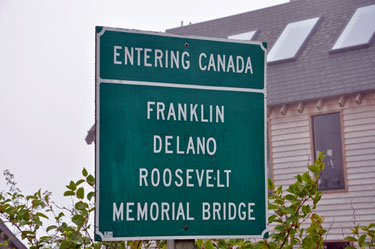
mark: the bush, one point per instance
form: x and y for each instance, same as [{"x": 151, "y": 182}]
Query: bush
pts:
[{"x": 71, "y": 227}]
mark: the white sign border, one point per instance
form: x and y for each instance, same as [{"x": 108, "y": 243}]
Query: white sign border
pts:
[{"x": 98, "y": 80}]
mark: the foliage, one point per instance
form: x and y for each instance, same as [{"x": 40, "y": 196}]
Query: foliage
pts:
[
  {"x": 364, "y": 239},
  {"x": 292, "y": 208},
  {"x": 43, "y": 224}
]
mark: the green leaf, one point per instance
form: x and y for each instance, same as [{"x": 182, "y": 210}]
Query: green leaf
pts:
[
  {"x": 199, "y": 242},
  {"x": 90, "y": 195},
  {"x": 80, "y": 193},
  {"x": 208, "y": 245},
  {"x": 279, "y": 228},
  {"x": 350, "y": 238},
  {"x": 72, "y": 186},
  {"x": 271, "y": 206},
  {"x": 306, "y": 209},
  {"x": 69, "y": 193},
  {"x": 41, "y": 215},
  {"x": 84, "y": 172},
  {"x": 78, "y": 220},
  {"x": 272, "y": 218},
  {"x": 371, "y": 225},
  {"x": 314, "y": 169},
  {"x": 279, "y": 189},
  {"x": 81, "y": 205},
  {"x": 361, "y": 239},
  {"x": 317, "y": 199},
  {"x": 79, "y": 182},
  {"x": 299, "y": 178},
  {"x": 315, "y": 218},
  {"x": 271, "y": 185},
  {"x": 51, "y": 228},
  {"x": 356, "y": 230},
  {"x": 308, "y": 243},
  {"x": 306, "y": 177},
  {"x": 90, "y": 180},
  {"x": 292, "y": 219},
  {"x": 290, "y": 197}
]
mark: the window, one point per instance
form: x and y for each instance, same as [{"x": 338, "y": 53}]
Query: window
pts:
[
  {"x": 327, "y": 139},
  {"x": 291, "y": 40},
  {"x": 247, "y": 36},
  {"x": 336, "y": 245},
  {"x": 359, "y": 30}
]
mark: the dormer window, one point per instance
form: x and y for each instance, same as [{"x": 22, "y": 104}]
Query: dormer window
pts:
[
  {"x": 247, "y": 36},
  {"x": 359, "y": 30},
  {"x": 291, "y": 40}
]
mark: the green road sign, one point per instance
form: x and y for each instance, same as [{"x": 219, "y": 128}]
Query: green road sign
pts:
[{"x": 180, "y": 145}]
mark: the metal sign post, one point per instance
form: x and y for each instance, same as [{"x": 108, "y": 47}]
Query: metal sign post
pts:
[{"x": 180, "y": 148}]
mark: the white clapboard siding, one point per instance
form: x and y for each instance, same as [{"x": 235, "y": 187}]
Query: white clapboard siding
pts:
[
  {"x": 361, "y": 127},
  {"x": 359, "y": 109},
  {"x": 302, "y": 146},
  {"x": 303, "y": 129},
  {"x": 361, "y": 187},
  {"x": 360, "y": 146},
  {"x": 359, "y": 115},
  {"x": 298, "y": 158},
  {"x": 362, "y": 121},
  {"x": 367, "y": 157},
  {"x": 289, "y": 171},
  {"x": 359, "y": 164},
  {"x": 289, "y": 125},
  {"x": 360, "y": 175},
  {"x": 357, "y": 140},
  {"x": 291, "y": 153},
  {"x": 359, "y": 152},
  {"x": 289, "y": 136},
  {"x": 349, "y": 218},
  {"x": 347, "y": 206},
  {"x": 365, "y": 133},
  {"x": 347, "y": 197},
  {"x": 361, "y": 211},
  {"x": 295, "y": 165},
  {"x": 359, "y": 170},
  {"x": 290, "y": 141}
]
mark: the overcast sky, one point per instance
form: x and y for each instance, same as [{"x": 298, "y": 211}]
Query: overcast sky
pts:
[{"x": 47, "y": 77}]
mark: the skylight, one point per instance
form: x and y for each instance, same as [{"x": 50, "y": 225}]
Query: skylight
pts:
[
  {"x": 359, "y": 30},
  {"x": 291, "y": 40},
  {"x": 247, "y": 36}
]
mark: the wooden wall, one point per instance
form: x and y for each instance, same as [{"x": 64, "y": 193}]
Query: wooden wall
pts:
[{"x": 291, "y": 150}]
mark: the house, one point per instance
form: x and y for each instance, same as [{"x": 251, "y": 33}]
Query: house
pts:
[{"x": 320, "y": 98}]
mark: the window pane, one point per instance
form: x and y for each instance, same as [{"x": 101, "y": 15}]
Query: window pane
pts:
[
  {"x": 336, "y": 245},
  {"x": 243, "y": 36},
  {"x": 327, "y": 139},
  {"x": 291, "y": 40},
  {"x": 359, "y": 30}
]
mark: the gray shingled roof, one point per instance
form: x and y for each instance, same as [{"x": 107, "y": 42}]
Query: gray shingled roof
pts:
[
  {"x": 6, "y": 234},
  {"x": 315, "y": 73}
]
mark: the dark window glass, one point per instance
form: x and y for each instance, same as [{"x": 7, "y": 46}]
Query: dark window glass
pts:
[
  {"x": 336, "y": 245},
  {"x": 327, "y": 139}
]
